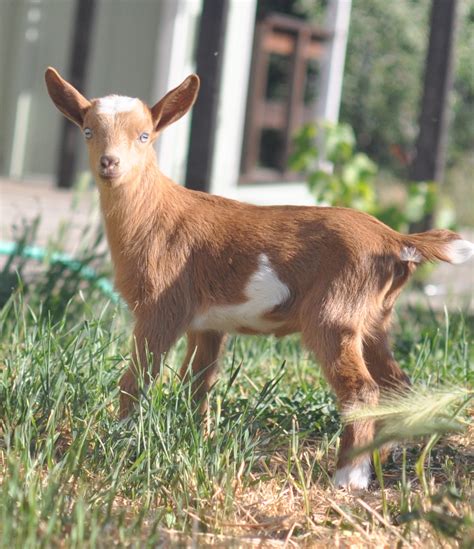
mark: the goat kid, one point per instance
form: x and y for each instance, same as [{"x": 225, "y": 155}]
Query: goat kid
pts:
[{"x": 189, "y": 262}]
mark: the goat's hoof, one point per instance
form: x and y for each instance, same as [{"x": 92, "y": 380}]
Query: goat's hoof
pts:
[{"x": 354, "y": 476}]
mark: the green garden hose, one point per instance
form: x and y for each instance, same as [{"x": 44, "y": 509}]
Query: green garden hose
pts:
[{"x": 39, "y": 254}]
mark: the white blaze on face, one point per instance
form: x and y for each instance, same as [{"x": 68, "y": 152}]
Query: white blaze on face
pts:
[
  {"x": 264, "y": 291},
  {"x": 113, "y": 104}
]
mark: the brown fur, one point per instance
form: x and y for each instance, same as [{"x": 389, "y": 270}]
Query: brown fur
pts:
[{"x": 178, "y": 252}]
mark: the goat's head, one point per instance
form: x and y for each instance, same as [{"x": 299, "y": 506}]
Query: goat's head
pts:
[{"x": 119, "y": 131}]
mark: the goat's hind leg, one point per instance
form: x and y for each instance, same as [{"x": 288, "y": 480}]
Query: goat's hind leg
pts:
[
  {"x": 201, "y": 362},
  {"x": 377, "y": 352},
  {"x": 380, "y": 361},
  {"x": 384, "y": 369},
  {"x": 339, "y": 350}
]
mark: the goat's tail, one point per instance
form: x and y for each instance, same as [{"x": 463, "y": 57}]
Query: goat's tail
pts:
[{"x": 435, "y": 245}]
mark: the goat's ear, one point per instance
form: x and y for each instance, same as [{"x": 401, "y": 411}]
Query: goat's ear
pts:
[
  {"x": 175, "y": 103},
  {"x": 65, "y": 96}
]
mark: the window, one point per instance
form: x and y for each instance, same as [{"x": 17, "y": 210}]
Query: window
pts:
[{"x": 282, "y": 93}]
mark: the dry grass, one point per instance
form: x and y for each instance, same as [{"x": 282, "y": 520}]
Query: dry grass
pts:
[
  {"x": 275, "y": 510},
  {"x": 272, "y": 511}
]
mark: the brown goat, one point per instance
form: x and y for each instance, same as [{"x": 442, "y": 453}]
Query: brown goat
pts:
[{"x": 189, "y": 262}]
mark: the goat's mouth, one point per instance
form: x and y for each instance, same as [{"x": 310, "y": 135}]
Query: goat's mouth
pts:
[{"x": 109, "y": 175}]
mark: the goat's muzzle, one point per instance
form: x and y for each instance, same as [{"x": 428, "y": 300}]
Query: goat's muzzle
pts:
[{"x": 109, "y": 167}]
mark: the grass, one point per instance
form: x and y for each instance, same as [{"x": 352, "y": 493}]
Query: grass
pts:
[{"x": 256, "y": 470}]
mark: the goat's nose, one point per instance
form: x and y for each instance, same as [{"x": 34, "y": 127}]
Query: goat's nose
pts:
[{"x": 107, "y": 161}]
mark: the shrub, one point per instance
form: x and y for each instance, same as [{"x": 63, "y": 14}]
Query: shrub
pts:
[{"x": 348, "y": 178}]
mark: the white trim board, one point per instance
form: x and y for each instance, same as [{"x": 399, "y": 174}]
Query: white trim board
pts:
[
  {"x": 233, "y": 96},
  {"x": 173, "y": 63},
  {"x": 267, "y": 194}
]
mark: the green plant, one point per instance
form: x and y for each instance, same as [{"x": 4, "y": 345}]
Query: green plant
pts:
[
  {"x": 347, "y": 178},
  {"x": 438, "y": 512},
  {"x": 350, "y": 182},
  {"x": 422, "y": 412},
  {"x": 383, "y": 79},
  {"x": 73, "y": 474},
  {"x": 418, "y": 412}
]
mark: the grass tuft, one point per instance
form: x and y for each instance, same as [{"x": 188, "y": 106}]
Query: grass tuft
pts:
[{"x": 417, "y": 412}]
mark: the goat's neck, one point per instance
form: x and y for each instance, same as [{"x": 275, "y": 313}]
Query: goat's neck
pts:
[
  {"x": 140, "y": 215},
  {"x": 137, "y": 211}
]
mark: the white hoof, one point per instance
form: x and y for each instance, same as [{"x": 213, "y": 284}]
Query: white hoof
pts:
[{"x": 354, "y": 477}]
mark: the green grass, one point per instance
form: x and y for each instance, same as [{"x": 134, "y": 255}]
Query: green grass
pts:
[{"x": 257, "y": 467}]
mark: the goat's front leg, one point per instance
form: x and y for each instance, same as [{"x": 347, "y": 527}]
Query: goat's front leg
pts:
[
  {"x": 340, "y": 351},
  {"x": 202, "y": 361},
  {"x": 153, "y": 336}
]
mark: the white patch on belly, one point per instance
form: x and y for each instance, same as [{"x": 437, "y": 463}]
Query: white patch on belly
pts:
[
  {"x": 264, "y": 291},
  {"x": 113, "y": 104}
]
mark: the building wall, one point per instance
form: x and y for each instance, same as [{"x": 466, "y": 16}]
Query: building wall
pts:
[
  {"x": 123, "y": 59},
  {"x": 35, "y": 34},
  {"x": 6, "y": 17}
]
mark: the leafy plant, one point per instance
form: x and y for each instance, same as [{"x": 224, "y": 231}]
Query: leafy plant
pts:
[
  {"x": 350, "y": 181},
  {"x": 383, "y": 79},
  {"x": 347, "y": 178}
]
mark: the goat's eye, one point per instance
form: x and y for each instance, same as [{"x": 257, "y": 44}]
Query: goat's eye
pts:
[
  {"x": 87, "y": 133},
  {"x": 144, "y": 137}
]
